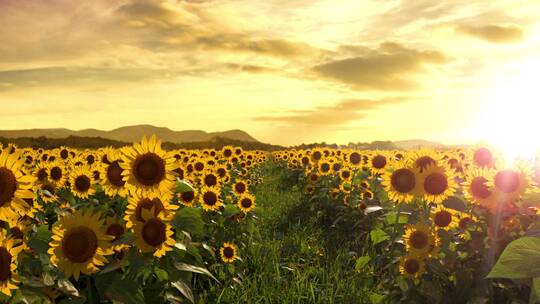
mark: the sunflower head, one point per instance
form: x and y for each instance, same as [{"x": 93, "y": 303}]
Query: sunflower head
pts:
[
  {"x": 228, "y": 252},
  {"x": 411, "y": 266},
  {"x": 154, "y": 233},
  {"x": 82, "y": 182},
  {"x": 420, "y": 239},
  {"x": 246, "y": 202},
  {"x": 209, "y": 198},
  {"x": 437, "y": 183}
]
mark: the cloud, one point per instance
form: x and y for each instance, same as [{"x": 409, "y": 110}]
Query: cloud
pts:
[
  {"x": 493, "y": 33},
  {"x": 387, "y": 67},
  {"x": 344, "y": 111}
]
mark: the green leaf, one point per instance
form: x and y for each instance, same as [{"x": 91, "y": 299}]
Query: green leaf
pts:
[
  {"x": 391, "y": 218},
  {"x": 183, "y": 186},
  {"x": 378, "y": 236},
  {"x": 536, "y": 289},
  {"x": 161, "y": 274},
  {"x": 230, "y": 210},
  {"x": 361, "y": 262},
  {"x": 195, "y": 269},
  {"x": 125, "y": 291},
  {"x": 39, "y": 241},
  {"x": 184, "y": 289},
  {"x": 376, "y": 298},
  {"x": 519, "y": 260},
  {"x": 190, "y": 220},
  {"x": 455, "y": 203}
]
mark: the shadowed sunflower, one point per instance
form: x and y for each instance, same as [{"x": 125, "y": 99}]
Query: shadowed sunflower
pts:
[
  {"x": 147, "y": 169},
  {"x": 82, "y": 182},
  {"x": 153, "y": 234},
  {"x": 137, "y": 204},
  {"x": 79, "y": 243},
  {"x": 15, "y": 186},
  {"x": 228, "y": 252},
  {"x": 401, "y": 183},
  {"x": 47, "y": 191},
  {"x": 324, "y": 167},
  {"x": 246, "y": 202},
  {"x": 437, "y": 183},
  {"x": 420, "y": 240},
  {"x": 209, "y": 199},
  {"x": 8, "y": 258},
  {"x": 116, "y": 227},
  {"x": 111, "y": 175},
  {"x": 411, "y": 266},
  {"x": 41, "y": 172}
]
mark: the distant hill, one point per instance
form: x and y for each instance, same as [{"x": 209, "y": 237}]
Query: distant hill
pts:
[
  {"x": 132, "y": 133},
  {"x": 417, "y": 143}
]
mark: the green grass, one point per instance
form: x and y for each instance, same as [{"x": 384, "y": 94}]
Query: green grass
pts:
[{"x": 287, "y": 259}]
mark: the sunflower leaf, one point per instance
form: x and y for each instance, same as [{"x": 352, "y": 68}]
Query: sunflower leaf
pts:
[
  {"x": 184, "y": 289},
  {"x": 183, "y": 186},
  {"x": 194, "y": 269},
  {"x": 190, "y": 220},
  {"x": 519, "y": 260}
]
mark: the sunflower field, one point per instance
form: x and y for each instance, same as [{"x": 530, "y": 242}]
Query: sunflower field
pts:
[{"x": 140, "y": 224}]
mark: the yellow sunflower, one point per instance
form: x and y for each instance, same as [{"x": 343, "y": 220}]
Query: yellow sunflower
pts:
[
  {"x": 187, "y": 198},
  {"x": 378, "y": 163},
  {"x": 15, "y": 186},
  {"x": 79, "y": 243},
  {"x": 420, "y": 239},
  {"x": 444, "y": 218},
  {"x": 240, "y": 187},
  {"x": 209, "y": 198},
  {"x": 246, "y": 202},
  {"x": 510, "y": 184},
  {"x": 324, "y": 167},
  {"x": 437, "y": 183},
  {"x": 9, "y": 252},
  {"x": 147, "y": 169},
  {"x": 210, "y": 179},
  {"x": 424, "y": 158},
  {"x": 153, "y": 234},
  {"x": 111, "y": 175},
  {"x": 411, "y": 266},
  {"x": 82, "y": 182},
  {"x": 138, "y": 204},
  {"x": 401, "y": 183},
  {"x": 477, "y": 188},
  {"x": 116, "y": 227},
  {"x": 345, "y": 174},
  {"x": 57, "y": 173},
  {"x": 228, "y": 252}
]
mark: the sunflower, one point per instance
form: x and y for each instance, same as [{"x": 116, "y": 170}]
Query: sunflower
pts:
[
  {"x": 424, "y": 158},
  {"x": 47, "y": 191},
  {"x": 9, "y": 252},
  {"x": 420, "y": 240},
  {"x": 138, "y": 204},
  {"x": 476, "y": 186},
  {"x": 345, "y": 174},
  {"x": 210, "y": 179},
  {"x": 227, "y": 151},
  {"x": 57, "y": 173},
  {"x": 41, "y": 172},
  {"x": 510, "y": 184},
  {"x": 82, "y": 182},
  {"x": 187, "y": 198},
  {"x": 324, "y": 167},
  {"x": 411, "y": 266},
  {"x": 79, "y": 243},
  {"x": 401, "y": 183},
  {"x": 15, "y": 186},
  {"x": 240, "y": 187},
  {"x": 153, "y": 234},
  {"x": 209, "y": 198},
  {"x": 437, "y": 183},
  {"x": 354, "y": 159},
  {"x": 147, "y": 169},
  {"x": 111, "y": 175},
  {"x": 116, "y": 227},
  {"x": 228, "y": 252},
  {"x": 484, "y": 157},
  {"x": 378, "y": 162},
  {"x": 246, "y": 202},
  {"x": 444, "y": 218}
]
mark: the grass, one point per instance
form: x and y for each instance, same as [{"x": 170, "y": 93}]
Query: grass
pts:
[{"x": 287, "y": 259}]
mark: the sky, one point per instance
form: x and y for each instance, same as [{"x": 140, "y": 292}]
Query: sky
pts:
[{"x": 285, "y": 71}]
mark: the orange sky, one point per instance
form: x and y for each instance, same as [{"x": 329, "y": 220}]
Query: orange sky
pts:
[{"x": 286, "y": 72}]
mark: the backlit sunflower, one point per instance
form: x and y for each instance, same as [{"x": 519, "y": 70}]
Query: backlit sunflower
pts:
[
  {"x": 477, "y": 188},
  {"x": 228, "y": 252},
  {"x": 15, "y": 186},
  {"x": 401, "y": 183},
  {"x": 138, "y": 204},
  {"x": 116, "y": 227},
  {"x": 79, "y": 243},
  {"x": 82, "y": 182},
  {"x": 112, "y": 180},
  {"x": 411, "y": 266},
  {"x": 437, "y": 183},
  {"x": 154, "y": 234},
  {"x": 147, "y": 169},
  {"x": 424, "y": 158},
  {"x": 420, "y": 239},
  {"x": 9, "y": 252},
  {"x": 510, "y": 184},
  {"x": 378, "y": 162},
  {"x": 444, "y": 218},
  {"x": 209, "y": 199},
  {"x": 246, "y": 202}
]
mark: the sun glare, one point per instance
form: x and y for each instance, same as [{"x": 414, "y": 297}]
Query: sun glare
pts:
[{"x": 511, "y": 111}]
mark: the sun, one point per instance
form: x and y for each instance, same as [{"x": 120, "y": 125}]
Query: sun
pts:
[{"x": 510, "y": 110}]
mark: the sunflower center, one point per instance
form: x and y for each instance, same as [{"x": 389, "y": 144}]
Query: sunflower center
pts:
[
  {"x": 221, "y": 172},
  {"x": 507, "y": 181},
  {"x": 154, "y": 232},
  {"x": 313, "y": 177},
  {"x": 435, "y": 183},
  {"x": 240, "y": 187},
  {"x": 64, "y": 154},
  {"x": 228, "y": 252},
  {"x": 483, "y": 157},
  {"x": 479, "y": 187},
  {"x": 403, "y": 180},
  {"x": 246, "y": 203},
  {"x": 82, "y": 183},
  {"x": 227, "y": 153},
  {"x": 90, "y": 159},
  {"x": 16, "y": 233},
  {"x": 56, "y": 173},
  {"x": 42, "y": 174},
  {"x": 188, "y": 196},
  {"x": 48, "y": 187},
  {"x": 80, "y": 244},
  {"x": 424, "y": 161},
  {"x": 115, "y": 230},
  {"x": 378, "y": 162},
  {"x": 210, "y": 198},
  {"x": 317, "y": 155},
  {"x": 355, "y": 158},
  {"x": 325, "y": 167},
  {"x": 346, "y": 174},
  {"x": 149, "y": 169},
  {"x": 148, "y": 204},
  {"x": 8, "y": 185},
  {"x": 5, "y": 264},
  {"x": 210, "y": 180},
  {"x": 442, "y": 218},
  {"x": 412, "y": 266},
  {"x": 114, "y": 174},
  {"x": 418, "y": 240},
  {"x": 199, "y": 166}
]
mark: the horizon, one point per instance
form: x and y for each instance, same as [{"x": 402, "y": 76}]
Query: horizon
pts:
[{"x": 353, "y": 71}]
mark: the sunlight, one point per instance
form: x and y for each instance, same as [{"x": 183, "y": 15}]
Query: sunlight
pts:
[{"x": 511, "y": 111}]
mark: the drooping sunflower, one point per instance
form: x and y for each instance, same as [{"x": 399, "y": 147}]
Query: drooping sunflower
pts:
[
  {"x": 228, "y": 252},
  {"x": 444, "y": 218},
  {"x": 112, "y": 180},
  {"x": 9, "y": 252},
  {"x": 15, "y": 185},
  {"x": 138, "y": 204},
  {"x": 411, "y": 266},
  {"x": 82, "y": 182},
  {"x": 420, "y": 239},
  {"x": 209, "y": 198},
  {"x": 147, "y": 169},
  {"x": 246, "y": 202},
  {"x": 401, "y": 183},
  {"x": 116, "y": 227},
  {"x": 437, "y": 183},
  {"x": 79, "y": 243},
  {"x": 153, "y": 234}
]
